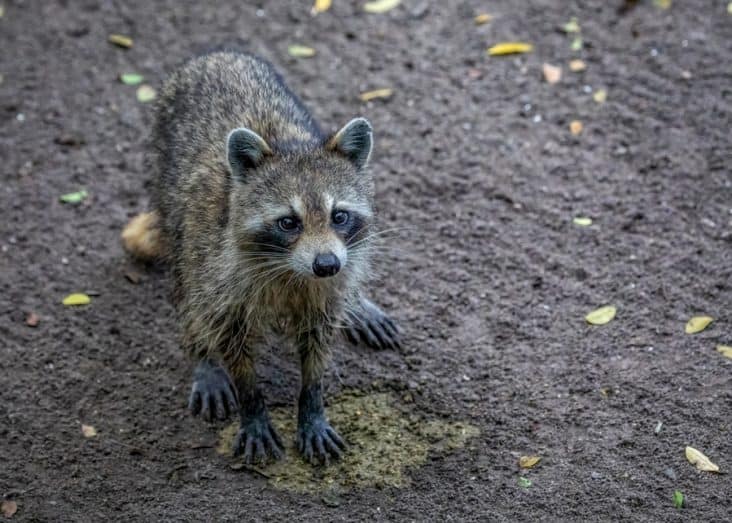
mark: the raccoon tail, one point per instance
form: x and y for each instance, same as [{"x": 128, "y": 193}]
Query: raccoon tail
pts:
[{"x": 143, "y": 238}]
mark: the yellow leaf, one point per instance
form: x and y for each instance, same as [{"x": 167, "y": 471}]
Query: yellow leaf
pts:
[
  {"x": 380, "y": 6},
  {"x": 526, "y": 462},
  {"x": 725, "y": 350},
  {"x": 700, "y": 460},
  {"x": 320, "y": 6},
  {"x": 376, "y": 93},
  {"x": 301, "y": 51},
  {"x": 2, "y": 11},
  {"x": 663, "y": 4},
  {"x": 509, "y": 48},
  {"x": 145, "y": 93},
  {"x": 698, "y": 324},
  {"x": 577, "y": 65},
  {"x": 120, "y": 40},
  {"x": 600, "y": 96},
  {"x": 483, "y": 18},
  {"x": 76, "y": 299},
  {"x": 88, "y": 431},
  {"x": 575, "y": 127},
  {"x": 601, "y": 316},
  {"x": 582, "y": 221},
  {"x": 729, "y": 8},
  {"x": 552, "y": 73}
]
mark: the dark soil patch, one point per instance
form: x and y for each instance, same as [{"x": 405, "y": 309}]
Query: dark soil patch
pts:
[{"x": 489, "y": 277}]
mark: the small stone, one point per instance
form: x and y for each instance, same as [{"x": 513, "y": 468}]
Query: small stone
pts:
[{"x": 32, "y": 319}]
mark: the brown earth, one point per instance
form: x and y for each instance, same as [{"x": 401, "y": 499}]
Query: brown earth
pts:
[{"x": 489, "y": 278}]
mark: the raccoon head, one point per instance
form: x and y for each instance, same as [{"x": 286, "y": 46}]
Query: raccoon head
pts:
[{"x": 303, "y": 210}]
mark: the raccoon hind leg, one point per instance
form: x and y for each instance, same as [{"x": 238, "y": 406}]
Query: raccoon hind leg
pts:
[
  {"x": 212, "y": 393},
  {"x": 368, "y": 324}
]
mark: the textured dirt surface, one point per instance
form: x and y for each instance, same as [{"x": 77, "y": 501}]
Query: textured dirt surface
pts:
[{"x": 489, "y": 278}]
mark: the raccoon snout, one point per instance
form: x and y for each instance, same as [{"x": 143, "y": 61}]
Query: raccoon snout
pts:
[{"x": 326, "y": 265}]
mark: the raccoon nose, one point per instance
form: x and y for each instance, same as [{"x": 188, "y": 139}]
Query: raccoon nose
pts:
[{"x": 326, "y": 264}]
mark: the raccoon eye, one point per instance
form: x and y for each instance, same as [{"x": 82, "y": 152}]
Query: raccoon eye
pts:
[
  {"x": 340, "y": 217},
  {"x": 288, "y": 223}
]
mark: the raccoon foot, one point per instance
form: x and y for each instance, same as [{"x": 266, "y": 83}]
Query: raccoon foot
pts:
[
  {"x": 372, "y": 326},
  {"x": 258, "y": 439},
  {"x": 317, "y": 441},
  {"x": 212, "y": 394}
]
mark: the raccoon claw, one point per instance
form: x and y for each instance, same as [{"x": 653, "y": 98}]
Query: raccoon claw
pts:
[
  {"x": 373, "y": 327},
  {"x": 212, "y": 395},
  {"x": 317, "y": 441},
  {"x": 256, "y": 440}
]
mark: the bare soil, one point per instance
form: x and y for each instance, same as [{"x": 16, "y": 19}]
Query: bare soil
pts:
[{"x": 478, "y": 174}]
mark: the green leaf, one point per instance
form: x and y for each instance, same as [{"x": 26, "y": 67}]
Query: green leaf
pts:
[
  {"x": 301, "y": 51},
  {"x": 131, "y": 78},
  {"x": 74, "y": 197},
  {"x": 678, "y": 499},
  {"x": 577, "y": 44},
  {"x": 572, "y": 26},
  {"x": 524, "y": 482}
]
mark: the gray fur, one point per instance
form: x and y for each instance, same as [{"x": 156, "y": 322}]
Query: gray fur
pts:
[{"x": 225, "y": 116}]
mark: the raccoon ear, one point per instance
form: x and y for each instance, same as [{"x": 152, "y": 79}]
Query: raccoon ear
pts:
[
  {"x": 354, "y": 141},
  {"x": 245, "y": 149}
]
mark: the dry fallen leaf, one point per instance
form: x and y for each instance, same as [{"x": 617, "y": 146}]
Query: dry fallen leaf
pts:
[
  {"x": 698, "y": 324},
  {"x": 380, "y": 6},
  {"x": 88, "y": 431},
  {"x": 9, "y": 508},
  {"x": 120, "y": 40},
  {"x": 376, "y": 93},
  {"x": 32, "y": 319},
  {"x": 301, "y": 51},
  {"x": 483, "y": 18},
  {"x": 582, "y": 221},
  {"x": 663, "y": 4},
  {"x": 700, "y": 460},
  {"x": 145, "y": 94},
  {"x": 526, "y": 462},
  {"x": 725, "y": 350},
  {"x": 552, "y": 73},
  {"x": 76, "y": 299},
  {"x": 577, "y": 65},
  {"x": 600, "y": 96},
  {"x": 320, "y": 6},
  {"x": 575, "y": 127},
  {"x": 601, "y": 316},
  {"x": 509, "y": 48}
]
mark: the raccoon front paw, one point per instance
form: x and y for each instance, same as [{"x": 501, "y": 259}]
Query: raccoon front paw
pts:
[
  {"x": 212, "y": 393},
  {"x": 372, "y": 326},
  {"x": 257, "y": 439},
  {"x": 318, "y": 441}
]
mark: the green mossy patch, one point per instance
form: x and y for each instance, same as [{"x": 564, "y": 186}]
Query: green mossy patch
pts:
[{"x": 383, "y": 441}]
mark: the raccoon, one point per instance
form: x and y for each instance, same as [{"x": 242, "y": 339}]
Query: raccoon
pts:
[{"x": 267, "y": 224}]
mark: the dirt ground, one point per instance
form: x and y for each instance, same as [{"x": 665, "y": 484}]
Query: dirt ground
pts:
[{"x": 489, "y": 277}]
